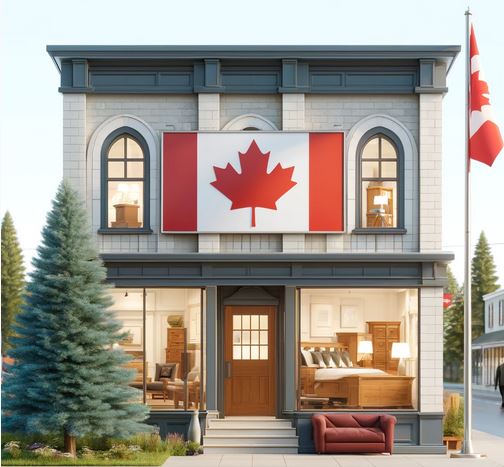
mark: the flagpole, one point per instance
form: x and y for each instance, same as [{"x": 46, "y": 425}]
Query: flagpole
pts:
[{"x": 467, "y": 448}]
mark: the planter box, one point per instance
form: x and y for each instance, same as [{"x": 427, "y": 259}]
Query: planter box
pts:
[{"x": 453, "y": 443}]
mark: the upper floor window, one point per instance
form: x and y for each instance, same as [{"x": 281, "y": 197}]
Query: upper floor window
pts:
[
  {"x": 380, "y": 183},
  {"x": 501, "y": 312},
  {"x": 490, "y": 315},
  {"x": 125, "y": 181}
]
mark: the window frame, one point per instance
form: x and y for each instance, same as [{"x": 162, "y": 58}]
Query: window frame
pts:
[
  {"x": 393, "y": 139},
  {"x": 104, "y": 179}
]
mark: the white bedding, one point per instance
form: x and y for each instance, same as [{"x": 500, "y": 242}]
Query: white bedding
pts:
[{"x": 331, "y": 374}]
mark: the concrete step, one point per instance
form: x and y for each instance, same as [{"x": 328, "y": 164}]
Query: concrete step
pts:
[
  {"x": 239, "y": 431},
  {"x": 256, "y": 440},
  {"x": 262, "y": 423},
  {"x": 250, "y": 449}
]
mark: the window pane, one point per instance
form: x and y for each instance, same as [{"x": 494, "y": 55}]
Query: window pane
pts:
[
  {"x": 254, "y": 338},
  {"x": 237, "y": 352},
  {"x": 264, "y": 337},
  {"x": 246, "y": 337},
  {"x": 135, "y": 169},
  {"x": 236, "y": 337},
  {"x": 246, "y": 352},
  {"x": 370, "y": 170},
  {"x": 263, "y": 352},
  {"x": 379, "y": 204},
  {"x": 254, "y": 352},
  {"x": 254, "y": 322},
  {"x": 388, "y": 151},
  {"x": 116, "y": 151},
  {"x": 237, "y": 322},
  {"x": 389, "y": 169},
  {"x": 133, "y": 149},
  {"x": 245, "y": 321},
  {"x": 370, "y": 150},
  {"x": 116, "y": 169},
  {"x": 264, "y": 322},
  {"x": 125, "y": 204}
]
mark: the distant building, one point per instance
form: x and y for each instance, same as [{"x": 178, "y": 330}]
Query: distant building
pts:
[{"x": 488, "y": 349}]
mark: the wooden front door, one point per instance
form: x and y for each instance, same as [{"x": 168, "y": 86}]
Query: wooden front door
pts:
[{"x": 249, "y": 384}]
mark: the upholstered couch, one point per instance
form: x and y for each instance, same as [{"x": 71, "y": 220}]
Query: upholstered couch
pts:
[{"x": 345, "y": 432}]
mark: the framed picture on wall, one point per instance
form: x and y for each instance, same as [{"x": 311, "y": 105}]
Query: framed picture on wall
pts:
[
  {"x": 134, "y": 337},
  {"x": 321, "y": 320},
  {"x": 349, "y": 316}
]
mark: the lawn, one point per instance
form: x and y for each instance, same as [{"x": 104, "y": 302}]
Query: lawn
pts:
[{"x": 141, "y": 458}]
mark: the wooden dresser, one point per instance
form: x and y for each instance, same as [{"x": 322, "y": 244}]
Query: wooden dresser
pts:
[
  {"x": 384, "y": 333},
  {"x": 175, "y": 351}
]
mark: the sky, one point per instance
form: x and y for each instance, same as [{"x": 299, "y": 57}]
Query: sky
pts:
[{"x": 31, "y": 106}]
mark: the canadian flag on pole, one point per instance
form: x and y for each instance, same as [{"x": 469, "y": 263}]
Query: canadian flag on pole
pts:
[{"x": 485, "y": 140}]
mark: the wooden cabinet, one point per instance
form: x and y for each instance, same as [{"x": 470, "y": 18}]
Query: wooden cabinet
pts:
[
  {"x": 126, "y": 215},
  {"x": 176, "y": 351},
  {"x": 351, "y": 340},
  {"x": 375, "y": 217},
  {"x": 384, "y": 333}
]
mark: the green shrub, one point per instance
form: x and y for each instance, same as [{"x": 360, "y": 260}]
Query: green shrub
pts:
[
  {"x": 176, "y": 444},
  {"x": 193, "y": 447},
  {"x": 13, "y": 448},
  {"x": 121, "y": 451},
  {"x": 453, "y": 424},
  {"x": 149, "y": 442}
]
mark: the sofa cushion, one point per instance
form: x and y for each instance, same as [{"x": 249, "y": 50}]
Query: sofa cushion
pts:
[
  {"x": 354, "y": 435},
  {"x": 351, "y": 420},
  {"x": 165, "y": 370}
]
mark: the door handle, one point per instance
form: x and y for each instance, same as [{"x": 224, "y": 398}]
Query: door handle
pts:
[{"x": 228, "y": 370}]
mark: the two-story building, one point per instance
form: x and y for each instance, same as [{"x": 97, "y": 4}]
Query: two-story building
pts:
[
  {"x": 488, "y": 349},
  {"x": 270, "y": 219}
]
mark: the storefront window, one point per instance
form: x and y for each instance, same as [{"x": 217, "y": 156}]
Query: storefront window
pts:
[
  {"x": 164, "y": 342},
  {"x": 358, "y": 349}
]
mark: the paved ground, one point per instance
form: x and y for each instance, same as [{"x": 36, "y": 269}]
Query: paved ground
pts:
[
  {"x": 492, "y": 446},
  {"x": 488, "y": 416}
]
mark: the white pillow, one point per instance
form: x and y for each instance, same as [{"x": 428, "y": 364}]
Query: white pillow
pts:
[
  {"x": 308, "y": 357},
  {"x": 343, "y": 364}
]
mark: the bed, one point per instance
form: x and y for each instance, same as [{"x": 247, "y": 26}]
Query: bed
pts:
[{"x": 356, "y": 387}]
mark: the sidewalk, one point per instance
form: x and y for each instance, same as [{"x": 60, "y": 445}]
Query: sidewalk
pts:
[{"x": 490, "y": 445}]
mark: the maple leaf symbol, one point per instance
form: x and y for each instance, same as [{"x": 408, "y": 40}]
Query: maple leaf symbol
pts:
[
  {"x": 479, "y": 92},
  {"x": 254, "y": 187}
]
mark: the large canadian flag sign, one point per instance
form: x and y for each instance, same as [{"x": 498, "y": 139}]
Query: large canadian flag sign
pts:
[{"x": 252, "y": 182}]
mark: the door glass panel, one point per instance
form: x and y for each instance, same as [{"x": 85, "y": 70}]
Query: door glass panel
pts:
[
  {"x": 236, "y": 337},
  {"x": 237, "y": 322},
  {"x": 246, "y": 352},
  {"x": 254, "y": 352},
  {"x": 263, "y": 337},
  {"x": 236, "y": 352},
  {"x": 245, "y": 321},
  {"x": 254, "y": 337},
  {"x": 263, "y": 352},
  {"x": 246, "y": 337},
  {"x": 264, "y": 322},
  {"x": 254, "y": 322}
]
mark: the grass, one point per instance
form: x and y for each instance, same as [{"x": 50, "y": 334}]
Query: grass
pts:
[{"x": 141, "y": 458}]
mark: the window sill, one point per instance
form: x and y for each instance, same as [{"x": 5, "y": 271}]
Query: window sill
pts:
[
  {"x": 379, "y": 231},
  {"x": 125, "y": 231}
]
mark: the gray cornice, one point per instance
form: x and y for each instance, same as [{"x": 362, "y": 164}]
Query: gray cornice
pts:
[{"x": 280, "y": 258}]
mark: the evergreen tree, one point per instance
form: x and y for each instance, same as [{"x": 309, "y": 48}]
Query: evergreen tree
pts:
[
  {"x": 452, "y": 287},
  {"x": 484, "y": 281},
  {"x": 12, "y": 280},
  {"x": 67, "y": 376}
]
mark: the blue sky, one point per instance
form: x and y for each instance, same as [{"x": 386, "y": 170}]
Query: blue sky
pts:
[{"x": 31, "y": 109}]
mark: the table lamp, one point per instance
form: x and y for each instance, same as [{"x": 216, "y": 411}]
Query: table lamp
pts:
[
  {"x": 381, "y": 200},
  {"x": 365, "y": 348},
  {"x": 401, "y": 351}
]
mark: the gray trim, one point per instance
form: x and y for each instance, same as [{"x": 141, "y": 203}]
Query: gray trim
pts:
[
  {"x": 392, "y": 137},
  {"x": 211, "y": 348},
  {"x": 290, "y": 345},
  {"x": 379, "y": 231},
  {"x": 104, "y": 228},
  {"x": 175, "y": 421},
  {"x": 427, "y": 73},
  {"x": 250, "y": 296}
]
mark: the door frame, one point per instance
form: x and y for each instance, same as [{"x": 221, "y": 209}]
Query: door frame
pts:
[{"x": 251, "y": 296}]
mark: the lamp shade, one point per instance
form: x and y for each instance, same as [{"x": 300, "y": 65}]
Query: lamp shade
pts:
[
  {"x": 365, "y": 347},
  {"x": 380, "y": 199},
  {"x": 400, "y": 350}
]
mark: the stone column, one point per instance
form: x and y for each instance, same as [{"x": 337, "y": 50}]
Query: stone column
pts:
[{"x": 291, "y": 380}]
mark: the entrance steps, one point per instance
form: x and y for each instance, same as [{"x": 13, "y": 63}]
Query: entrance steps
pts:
[{"x": 250, "y": 435}]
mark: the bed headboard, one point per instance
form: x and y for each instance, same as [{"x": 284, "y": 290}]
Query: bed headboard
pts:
[{"x": 324, "y": 345}]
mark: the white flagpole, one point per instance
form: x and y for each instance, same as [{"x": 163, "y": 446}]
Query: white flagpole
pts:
[{"x": 467, "y": 448}]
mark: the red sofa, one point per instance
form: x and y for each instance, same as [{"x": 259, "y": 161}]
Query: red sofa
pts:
[{"x": 345, "y": 432}]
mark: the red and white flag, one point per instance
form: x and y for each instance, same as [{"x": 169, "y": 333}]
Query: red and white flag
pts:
[
  {"x": 485, "y": 140},
  {"x": 252, "y": 182}
]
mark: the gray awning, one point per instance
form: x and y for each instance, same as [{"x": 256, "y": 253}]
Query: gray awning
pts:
[{"x": 496, "y": 337}]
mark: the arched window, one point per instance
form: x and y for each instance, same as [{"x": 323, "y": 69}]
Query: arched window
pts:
[
  {"x": 381, "y": 194},
  {"x": 125, "y": 182}
]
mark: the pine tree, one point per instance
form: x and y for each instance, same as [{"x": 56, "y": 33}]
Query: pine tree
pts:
[
  {"x": 67, "y": 376},
  {"x": 484, "y": 281},
  {"x": 12, "y": 280}
]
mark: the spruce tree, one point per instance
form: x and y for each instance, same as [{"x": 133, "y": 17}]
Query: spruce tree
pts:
[
  {"x": 484, "y": 281},
  {"x": 67, "y": 376},
  {"x": 453, "y": 348},
  {"x": 12, "y": 280}
]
